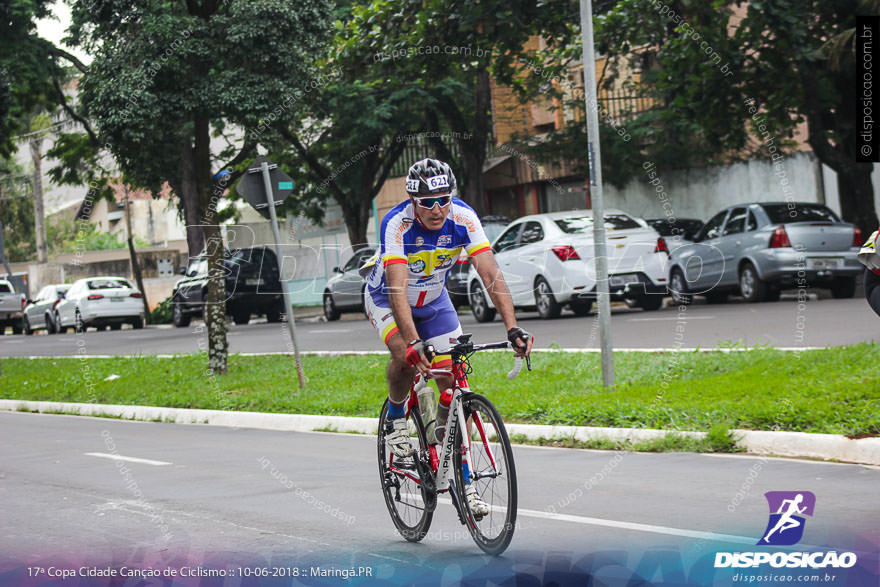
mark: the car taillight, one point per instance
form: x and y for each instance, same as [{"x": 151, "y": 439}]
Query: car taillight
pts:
[
  {"x": 565, "y": 253},
  {"x": 23, "y": 302},
  {"x": 136, "y": 294},
  {"x": 661, "y": 246},
  {"x": 55, "y": 304},
  {"x": 779, "y": 238},
  {"x": 857, "y": 237},
  {"x": 95, "y": 296}
]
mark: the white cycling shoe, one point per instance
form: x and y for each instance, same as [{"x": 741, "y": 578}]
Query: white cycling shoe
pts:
[
  {"x": 397, "y": 440},
  {"x": 478, "y": 507}
]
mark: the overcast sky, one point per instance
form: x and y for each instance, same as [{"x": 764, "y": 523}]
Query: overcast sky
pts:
[{"x": 52, "y": 29}]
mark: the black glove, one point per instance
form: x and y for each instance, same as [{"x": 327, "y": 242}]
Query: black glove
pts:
[
  {"x": 417, "y": 349},
  {"x": 517, "y": 333}
]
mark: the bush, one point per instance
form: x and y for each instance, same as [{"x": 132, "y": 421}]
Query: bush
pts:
[{"x": 161, "y": 314}]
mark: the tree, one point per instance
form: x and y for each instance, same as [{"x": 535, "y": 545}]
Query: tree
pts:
[
  {"x": 449, "y": 49},
  {"x": 777, "y": 59},
  {"x": 39, "y": 125},
  {"x": 165, "y": 73},
  {"x": 16, "y": 211}
]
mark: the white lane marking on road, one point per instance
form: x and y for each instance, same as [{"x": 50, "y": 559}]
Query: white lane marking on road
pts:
[
  {"x": 669, "y": 318},
  {"x": 626, "y": 525},
  {"x": 105, "y": 455}
]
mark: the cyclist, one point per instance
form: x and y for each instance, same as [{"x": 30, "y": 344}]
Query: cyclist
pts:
[{"x": 406, "y": 299}]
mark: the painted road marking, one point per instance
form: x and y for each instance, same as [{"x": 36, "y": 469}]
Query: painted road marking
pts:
[
  {"x": 669, "y": 318},
  {"x": 115, "y": 457}
]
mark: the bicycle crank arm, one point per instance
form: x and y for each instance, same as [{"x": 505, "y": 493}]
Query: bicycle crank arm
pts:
[{"x": 459, "y": 507}]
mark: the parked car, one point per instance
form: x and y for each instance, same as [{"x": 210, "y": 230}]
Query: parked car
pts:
[
  {"x": 345, "y": 290},
  {"x": 253, "y": 286},
  {"x": 548, "y": 262},
  {"x": 684, "y": 228},
  {"x": 11, "y": 308},
  {"x": 457, "y": 279},
  {"x": 39, "y": 314},
  {"x": 757, "y": 250},
  {"x": 100, "y": 302}
]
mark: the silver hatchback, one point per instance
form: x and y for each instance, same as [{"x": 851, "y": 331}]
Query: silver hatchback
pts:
[{"x": 757, "y": 250}]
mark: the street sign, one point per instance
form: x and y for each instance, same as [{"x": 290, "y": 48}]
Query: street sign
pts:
[{"x": 251, "y": 187}]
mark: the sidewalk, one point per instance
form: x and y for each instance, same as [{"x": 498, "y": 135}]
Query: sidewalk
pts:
[{"x": 789, "y": 444}]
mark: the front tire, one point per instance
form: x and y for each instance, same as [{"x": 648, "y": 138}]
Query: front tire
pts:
[
  {"x": 26, "y": 326},
  {"x": 678, "y": 288},
  {"x": 331, "y": 313},
  {"x": 137, "y": 323},
  {"x": 241, "y": 317},
  {"x": 651, "y": 303},
  {"x": 581, "y": 308},
  {"x": 751, "y": 287},
  {"x": 492, "y": 472},
  {"x": 479, "y": 306},
  {"x": 407, "y": 499},
  {"x": 547, "y": 305},
  {"x": 179, "y": 318}
]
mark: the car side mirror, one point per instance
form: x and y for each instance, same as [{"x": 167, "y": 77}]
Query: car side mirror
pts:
[
  {"x": 337, "y": 270},
  {"x": 182, "y": 271},
  {"x": 29, "y": 301}
]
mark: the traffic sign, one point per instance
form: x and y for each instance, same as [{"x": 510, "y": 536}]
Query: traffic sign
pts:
[{"x": 252, "y": 189}]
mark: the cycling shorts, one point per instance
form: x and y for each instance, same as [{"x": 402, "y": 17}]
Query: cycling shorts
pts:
[{"x": 436, "y": 323}]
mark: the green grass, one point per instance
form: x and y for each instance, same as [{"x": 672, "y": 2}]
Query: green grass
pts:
[{"x": 835, "y": 390}]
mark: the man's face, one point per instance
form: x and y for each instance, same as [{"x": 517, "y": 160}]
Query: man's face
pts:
[{"x": 433, "y": 218}]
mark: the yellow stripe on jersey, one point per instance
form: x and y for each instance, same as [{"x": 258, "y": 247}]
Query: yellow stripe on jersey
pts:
[{"x": 479, "y": 248}]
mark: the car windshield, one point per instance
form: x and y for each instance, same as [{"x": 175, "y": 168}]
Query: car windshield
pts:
[
  {"x": 107, "y": 283},
  {"x": 581, "y": 224},
  {"x": 493, "y": 230},
  {"x": 782, "y": 213}
]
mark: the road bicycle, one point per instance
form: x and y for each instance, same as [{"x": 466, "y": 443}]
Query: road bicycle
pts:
[{"x": 411, "y": 485}]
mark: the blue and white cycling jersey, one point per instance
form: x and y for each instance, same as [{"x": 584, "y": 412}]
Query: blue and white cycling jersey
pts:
[{"x": 429, "y": 254}]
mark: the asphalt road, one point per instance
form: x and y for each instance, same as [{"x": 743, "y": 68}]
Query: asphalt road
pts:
[
  {"x": 822, "y": 322},
  {"x": 223, "y": 497}
]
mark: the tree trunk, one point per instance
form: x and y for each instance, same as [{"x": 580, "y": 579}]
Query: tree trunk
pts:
[
  {"x": 35, "y": 143},
  {"x": 857, "y": 197},
  {"x": 135, "y": 264},
  {"x": 215, "y": 308},
  {"x": 190, "y": 200},
  {"x": 473, "y": 148}
]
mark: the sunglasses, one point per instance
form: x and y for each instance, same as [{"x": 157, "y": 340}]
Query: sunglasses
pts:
[{"x": 429, "y": 203}]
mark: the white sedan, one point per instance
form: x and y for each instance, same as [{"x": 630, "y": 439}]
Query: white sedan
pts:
[
  {"x": 99, "y": 302},
  {"x": 547, "y": 262}
]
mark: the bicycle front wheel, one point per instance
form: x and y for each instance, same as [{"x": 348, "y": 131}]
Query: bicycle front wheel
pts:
[
  {"x": 407, "y": 483},
  {"x": 492, "y": 473}
]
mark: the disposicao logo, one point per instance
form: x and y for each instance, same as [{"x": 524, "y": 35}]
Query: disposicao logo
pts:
[
  {"x": 786, "y": 525},
  {"x": 785, "y": 528}
]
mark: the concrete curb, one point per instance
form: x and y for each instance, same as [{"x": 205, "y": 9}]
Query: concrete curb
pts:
[{"x": 790, "y": 444}]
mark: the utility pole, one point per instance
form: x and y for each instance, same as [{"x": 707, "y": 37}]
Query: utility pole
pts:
[{"x": 595, "y": 161}]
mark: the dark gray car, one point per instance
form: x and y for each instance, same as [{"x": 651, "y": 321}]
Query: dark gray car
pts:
[
  {"x": 39, "y": 312},
  {"x": 757, "y": 250}
]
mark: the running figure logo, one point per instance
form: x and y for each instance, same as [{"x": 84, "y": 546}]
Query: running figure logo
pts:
[{"x": 786, "y": 527}]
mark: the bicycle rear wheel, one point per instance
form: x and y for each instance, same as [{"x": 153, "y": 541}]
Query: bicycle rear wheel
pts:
[
  {"x": 492, "y": 472},
  {"x": 406, "y": 483}
]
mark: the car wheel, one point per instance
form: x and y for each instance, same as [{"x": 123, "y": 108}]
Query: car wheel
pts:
[
  {"x": 179, "y": 318},
  {"x": 678, "y": 288},
  {"x": 26, "y": 325},
  {"x": 843, "y": 287},
  {"x": 137, "y": 323},
  {"x": 651, "y": 303},
  {"x": 581, "y": 308},
  {"x": 479, "y": 306},
  {"x": 330, "y": 311},
  {"x": 57, "y": 323},
  {"x": 50, "y": 325},
  {"x": 241, "y": 317},
  {"x": 751, "y": 287},
  {"x": 547, "y": 305},
  {"x": 274, "y": 314},
  {"x": 79, "y": 326}
]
